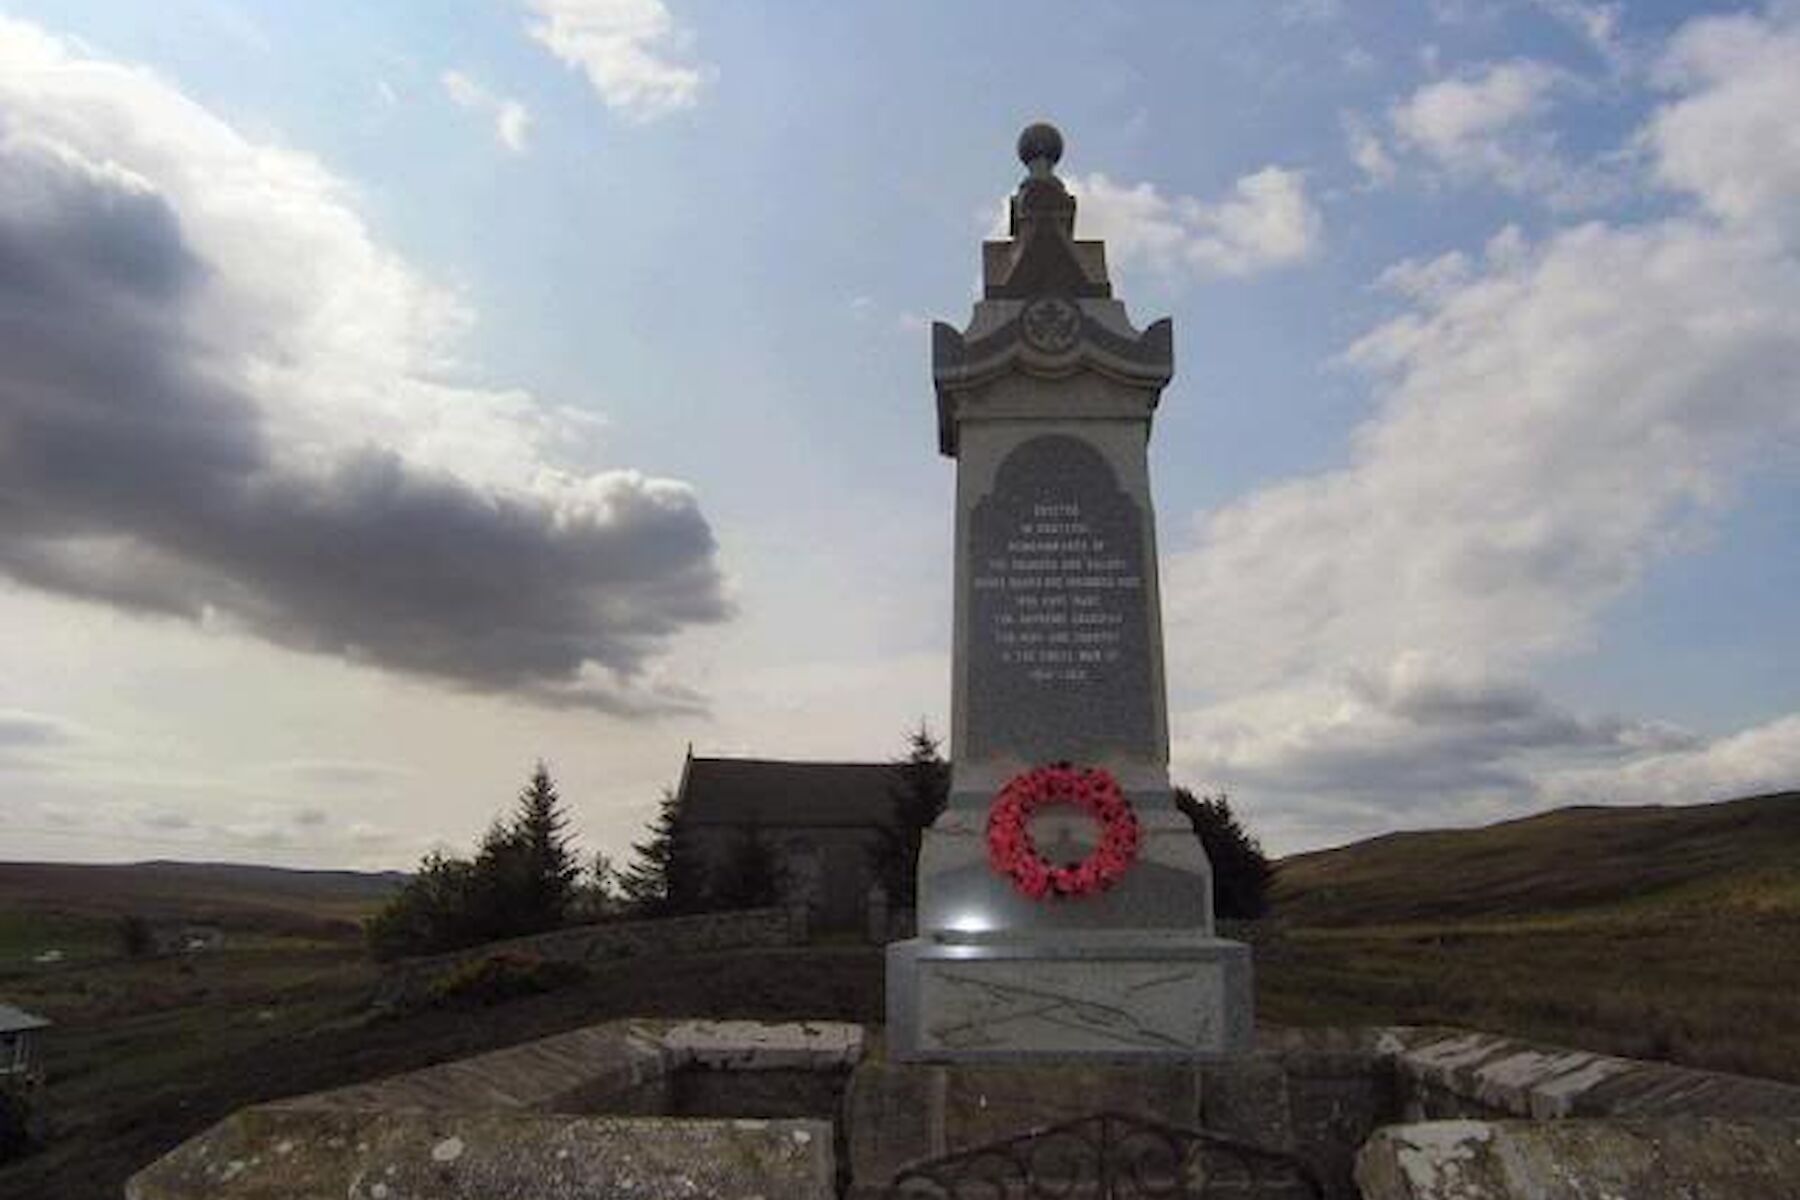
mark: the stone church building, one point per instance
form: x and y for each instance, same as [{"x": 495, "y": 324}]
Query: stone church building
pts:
[{"x": 824, "y": 820}]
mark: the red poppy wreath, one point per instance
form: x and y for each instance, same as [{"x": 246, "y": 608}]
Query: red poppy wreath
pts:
[{"x": 1012, "y": 853}]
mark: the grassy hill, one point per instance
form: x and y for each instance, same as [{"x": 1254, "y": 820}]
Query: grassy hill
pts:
[
  {"x": 1739, "y": 855},
  {"x": 1668, "y": 933},
  {"x": 74, "y": 907}
]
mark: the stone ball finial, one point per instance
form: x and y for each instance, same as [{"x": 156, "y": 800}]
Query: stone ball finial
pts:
[{"x": 1040, "y": 140}]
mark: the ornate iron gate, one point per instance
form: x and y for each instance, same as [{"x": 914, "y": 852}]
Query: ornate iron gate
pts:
[{"x": 1110, "y": 1156}]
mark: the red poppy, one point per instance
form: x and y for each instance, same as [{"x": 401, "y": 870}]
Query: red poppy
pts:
[{"x": 1011, "y": 851}]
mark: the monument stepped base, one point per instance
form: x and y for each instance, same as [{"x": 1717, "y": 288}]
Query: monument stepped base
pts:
[{"x": 1129, "y": 994}]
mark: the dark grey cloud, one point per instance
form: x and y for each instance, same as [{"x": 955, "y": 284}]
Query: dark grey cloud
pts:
[
  {"x": 24, "y": 730},
  {"x": 132, "y": 472},
  {"x": 1410, "y": 743}
]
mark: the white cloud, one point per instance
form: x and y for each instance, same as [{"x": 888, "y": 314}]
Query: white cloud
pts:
[
  {"x": 1596, "y": 23},
  {"x": 630, "y": 51},
  {"x": 1453, "y": 119},
  {"x": 225, "y": 401},
  {"x": 1765, "y": 758},
  {"x": 1267, "y": 221},
  {"x": 1427, "y": 279},
  {"x": 1734, "y": 142},
  {"x": 1311, "y": 12},
  {"x": 511, "y": 118},
  {"x": 1417, "y": 739},
  {"x": 1553, "y": 418},
  {"x": 1486, "y": 125},
  {"x": 1367, "y": 152}
]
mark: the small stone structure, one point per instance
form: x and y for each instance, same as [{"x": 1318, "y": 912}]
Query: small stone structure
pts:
[
  {"x": 1045, "y": 402},
  {"x": 1381, "y": 1114},
  {"x": 408, "y": 980},
  {"x": 21, "y": 1066},
  {"x": 527, "y": 1121},
  {"x": 1377, "y": 1114}
]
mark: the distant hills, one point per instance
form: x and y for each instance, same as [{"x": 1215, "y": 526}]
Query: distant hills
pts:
[
  {"x": 226, "y": 894},
  {"x": 1739, "y": 855},
  {"x": 1735, "y": 856}
]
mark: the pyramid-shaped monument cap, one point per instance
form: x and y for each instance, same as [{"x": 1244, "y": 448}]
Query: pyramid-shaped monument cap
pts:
[
  {"x": 1043, "y": 257},
  {"x": 1047, "y": 309}
]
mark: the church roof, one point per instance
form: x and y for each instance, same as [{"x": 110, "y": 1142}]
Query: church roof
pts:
[{"x": 738, "y": 791}]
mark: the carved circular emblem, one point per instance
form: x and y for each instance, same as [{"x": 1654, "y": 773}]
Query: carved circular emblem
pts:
[
  {"x": 1051, "y": 324},
  {"x": 1012, "y": 853}
]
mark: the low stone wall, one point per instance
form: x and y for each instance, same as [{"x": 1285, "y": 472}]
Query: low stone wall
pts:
[
  {"x": 409, "y": 980},
  {"x": 1696, "y": 1158},
  {"x": 1455, "y": 1073},
  {"x": 523, "y": 1121},
  {"x": 280, "y": 1153},
  {"x": 1364, "y": 1108},
  {"x": 1493, "y": 1118}
]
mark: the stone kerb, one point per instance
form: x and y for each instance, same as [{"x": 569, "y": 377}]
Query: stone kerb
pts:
[
  {"x": 1459, "y": 1073},
  {"x": 1551, "y": 1123},
  {"x": 406, "y": 981},
  {"x": 513, "y": 1123},
  {"x": 1689, "y": 1159},
  {"x": 618, "y": 1066},
  {"x": 279, "y": 1153}
]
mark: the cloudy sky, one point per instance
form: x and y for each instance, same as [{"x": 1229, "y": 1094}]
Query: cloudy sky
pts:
[{"x": 392, "y": 395}]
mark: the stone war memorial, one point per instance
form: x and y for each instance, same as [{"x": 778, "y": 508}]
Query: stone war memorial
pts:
[
  {"x": 1065, "y": 1023},
  {"x": 1064, "y": 904}
]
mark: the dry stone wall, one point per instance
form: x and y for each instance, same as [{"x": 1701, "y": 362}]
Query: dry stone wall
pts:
[{"x": 409, "y": 980}]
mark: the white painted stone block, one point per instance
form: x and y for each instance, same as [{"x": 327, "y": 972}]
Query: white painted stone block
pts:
[{"x": 755, "y": 1046}]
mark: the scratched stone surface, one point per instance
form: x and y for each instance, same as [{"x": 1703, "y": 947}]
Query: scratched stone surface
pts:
[{"x": 1071, "y": 1006}]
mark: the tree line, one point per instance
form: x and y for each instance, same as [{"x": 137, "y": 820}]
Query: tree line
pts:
[{"x": 525, "y": 876}]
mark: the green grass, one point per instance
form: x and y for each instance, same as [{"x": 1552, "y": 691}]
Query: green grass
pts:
[
  {"x": 1663, "y": 933},
  {"x": 24, "y": 935},
  {"x": 1740, "y": 854},
  {"x": 146, "y": 1054}
]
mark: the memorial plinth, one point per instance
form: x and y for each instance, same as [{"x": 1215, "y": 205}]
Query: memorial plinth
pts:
[{"x": 1045, "y": 401}]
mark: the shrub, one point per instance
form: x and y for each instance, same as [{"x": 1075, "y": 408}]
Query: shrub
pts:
[
  {"x": 135, "y": 940},
  {"x": 522, "y": 881},
  {"x": 497, "y": 978}
]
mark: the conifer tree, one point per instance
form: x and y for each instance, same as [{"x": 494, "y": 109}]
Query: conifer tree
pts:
[
  {"x": 749, "y": 876},
  {"x": 548, "y": 868},
  {"x": 662, "y": 878},
  {"x": 919, "y": 795},
  {"x": 1241, "y": 873}
]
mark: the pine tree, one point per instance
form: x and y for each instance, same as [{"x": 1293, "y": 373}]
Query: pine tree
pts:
[
  {"x": 750, "y": 876},
  {"x": 548, "y": 868},
  {"x": 1241, "y": 873},
  {"x": 919, "y": 795},
  {"x": 662, "y": 878}
]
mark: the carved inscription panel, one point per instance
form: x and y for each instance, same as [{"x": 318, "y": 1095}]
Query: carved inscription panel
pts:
[{"x": 1058, "y": 634}]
